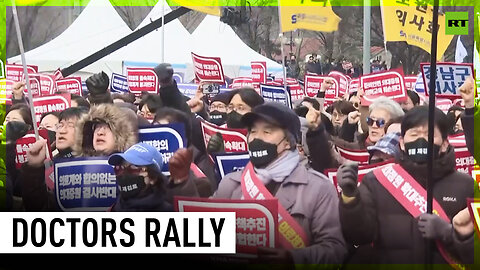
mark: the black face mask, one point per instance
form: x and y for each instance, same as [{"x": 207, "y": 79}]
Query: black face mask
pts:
[
  {"x": 218, "y": 118},
  {"x": 417, "y": 150},
  {"x": 234, "y": 120},
  {"x": 130, "y": 185},
  {"x": 15, "y": 130},
  {"x": 262, "y": 153}
]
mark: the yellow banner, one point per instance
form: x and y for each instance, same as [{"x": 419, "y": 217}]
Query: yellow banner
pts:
[
  {"x": 317, "y": 18},
  {"x": 212, "y": 8},
  {"x": 414, "y": 25}
]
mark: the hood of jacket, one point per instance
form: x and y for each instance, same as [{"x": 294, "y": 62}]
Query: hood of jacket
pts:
[{"x": 122, "y": 123}]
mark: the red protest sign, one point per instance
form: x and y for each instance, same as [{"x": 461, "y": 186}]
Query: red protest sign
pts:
[
  {"x": 353, "y": 86},
  {"x": 362, "y": 171},
  {"x": 410, "y": 82},
  {"x": 464, "y": 161},
  {"x": 256, "y": 220},
  {"x": 259, "y": 71},
  {"x": 443, "y": 104},
  {"x": 47, "y": 84},
  {"x": 296, "y": 91},
  {"x": 208, "y": 69},
  {"x": 360, "y": 156},
  {"x": 72, "y": 85},
  {"x": 388, "y": 83},
  {"x": 24, "y": 143},
  {"x": 241, "y": 82},
  {"x": 141, "y": 80},
  {"x": 15, "y": 72},
  {"x": 57, "y": 75},
  {"x": 6, "y": 88},
  {"x": 34, "y": 86},
  {"x": 342, "y": 80},
  {"x": 313, "y": 84},
  {"x": 235, "y": 140},
  {"x": 457, "y": 140},
  {"x": 55, "y": 103}
]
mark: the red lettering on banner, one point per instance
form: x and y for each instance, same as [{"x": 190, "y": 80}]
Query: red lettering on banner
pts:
[
  {"x": 388, "y": 83},
  {"x": 208, "y": 69},
  {"x": 54, "y": 103},
  {"x": 235, "y": 140},
  {"x": 142, "y": 80},
  {"x": 15, "y": 72},
  {"x": 72, "y": 85}
]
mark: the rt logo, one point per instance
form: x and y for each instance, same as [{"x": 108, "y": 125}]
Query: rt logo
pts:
[{"x": 456, "y": 23}]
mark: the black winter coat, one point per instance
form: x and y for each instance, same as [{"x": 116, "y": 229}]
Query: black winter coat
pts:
[{"x": 375, "y": 216}]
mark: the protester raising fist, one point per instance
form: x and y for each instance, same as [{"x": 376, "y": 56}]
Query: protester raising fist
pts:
[
  {"x": 467, "y": 91},
  {"x": 312, "y": 116},
  {"x": 179, "y": 165}
]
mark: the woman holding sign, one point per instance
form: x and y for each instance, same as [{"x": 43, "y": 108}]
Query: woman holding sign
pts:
[{"x": 309, "y": 228}]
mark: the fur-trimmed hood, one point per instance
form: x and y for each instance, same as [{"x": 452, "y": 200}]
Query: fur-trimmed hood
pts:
[{"x": 122, "y": 122}]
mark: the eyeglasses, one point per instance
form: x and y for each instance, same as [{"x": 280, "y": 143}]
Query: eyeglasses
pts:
[
  {"x": 65, "y": 124},
  {"x": 218, "y": 107},
  {"x": 240, "y": 108},
  {"x": 127, "y": 169},
  {"x": 336, "y": 115},
  {"x": 380, "y": 122}
]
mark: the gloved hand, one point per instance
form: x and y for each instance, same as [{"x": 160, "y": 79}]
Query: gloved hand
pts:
[
  {"x": 215, "y": 144},
  {"x": 97, "y": 83},
  {"x": 347, "y": 178},
  {"x": 179, "y": 165},
  {"x": 97, "y": 86},
  {"x": 434, "y": 227}
]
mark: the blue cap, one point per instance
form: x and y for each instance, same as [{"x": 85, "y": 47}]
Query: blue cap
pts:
[
  {"x": 140, "y": 154},
  {"x": 388, "y": 144}
]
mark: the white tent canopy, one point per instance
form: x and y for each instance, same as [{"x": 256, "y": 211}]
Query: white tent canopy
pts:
[
  {"x": 215, "y": 38},
  {"x": 147, "y": 50},
  {"x": 96, "y": 27}
]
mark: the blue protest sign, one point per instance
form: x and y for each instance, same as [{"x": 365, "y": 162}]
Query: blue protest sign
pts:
[
  {"x": 166, "y": 138},
  {"x": 178, "y": 77},
  {"x": 271, "y": 93},
  {"x": 119, "y": 83},
  {"x": 85, "y": 184},
  {"x": 450, "y": 76},
  {"x": 230, "y": 162},
  {"x": 187, "y": 89}
]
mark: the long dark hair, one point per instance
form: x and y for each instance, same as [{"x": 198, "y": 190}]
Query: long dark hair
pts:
[{"x": 24, "y": 111}]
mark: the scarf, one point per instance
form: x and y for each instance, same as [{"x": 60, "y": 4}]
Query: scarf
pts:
[{"x": 280, "y": 168}]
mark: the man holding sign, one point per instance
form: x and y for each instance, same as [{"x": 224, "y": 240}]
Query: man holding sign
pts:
[{"x": 308, "y": 232}]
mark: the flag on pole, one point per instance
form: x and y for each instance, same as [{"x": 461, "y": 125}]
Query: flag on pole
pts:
[
  {"x": 308, "y": 14},
  {"x": 211, "y": 7},
  {"x": 413, "y": 24},
  {"x": 460, "y": 51}
]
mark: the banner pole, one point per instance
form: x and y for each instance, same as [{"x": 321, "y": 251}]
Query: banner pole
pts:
[
  {"x": 431, "y": 126},
  {"x": 282, "y": 51},
  {"x": 25, "y": 71}
]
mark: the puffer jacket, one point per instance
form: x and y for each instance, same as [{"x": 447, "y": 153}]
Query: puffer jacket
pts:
[
  {"x": 122, "y": 122},
  {"x": 376, "y": 217}
]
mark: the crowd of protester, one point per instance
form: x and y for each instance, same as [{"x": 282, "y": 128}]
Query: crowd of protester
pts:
[{"x": 363, "y": 223}]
